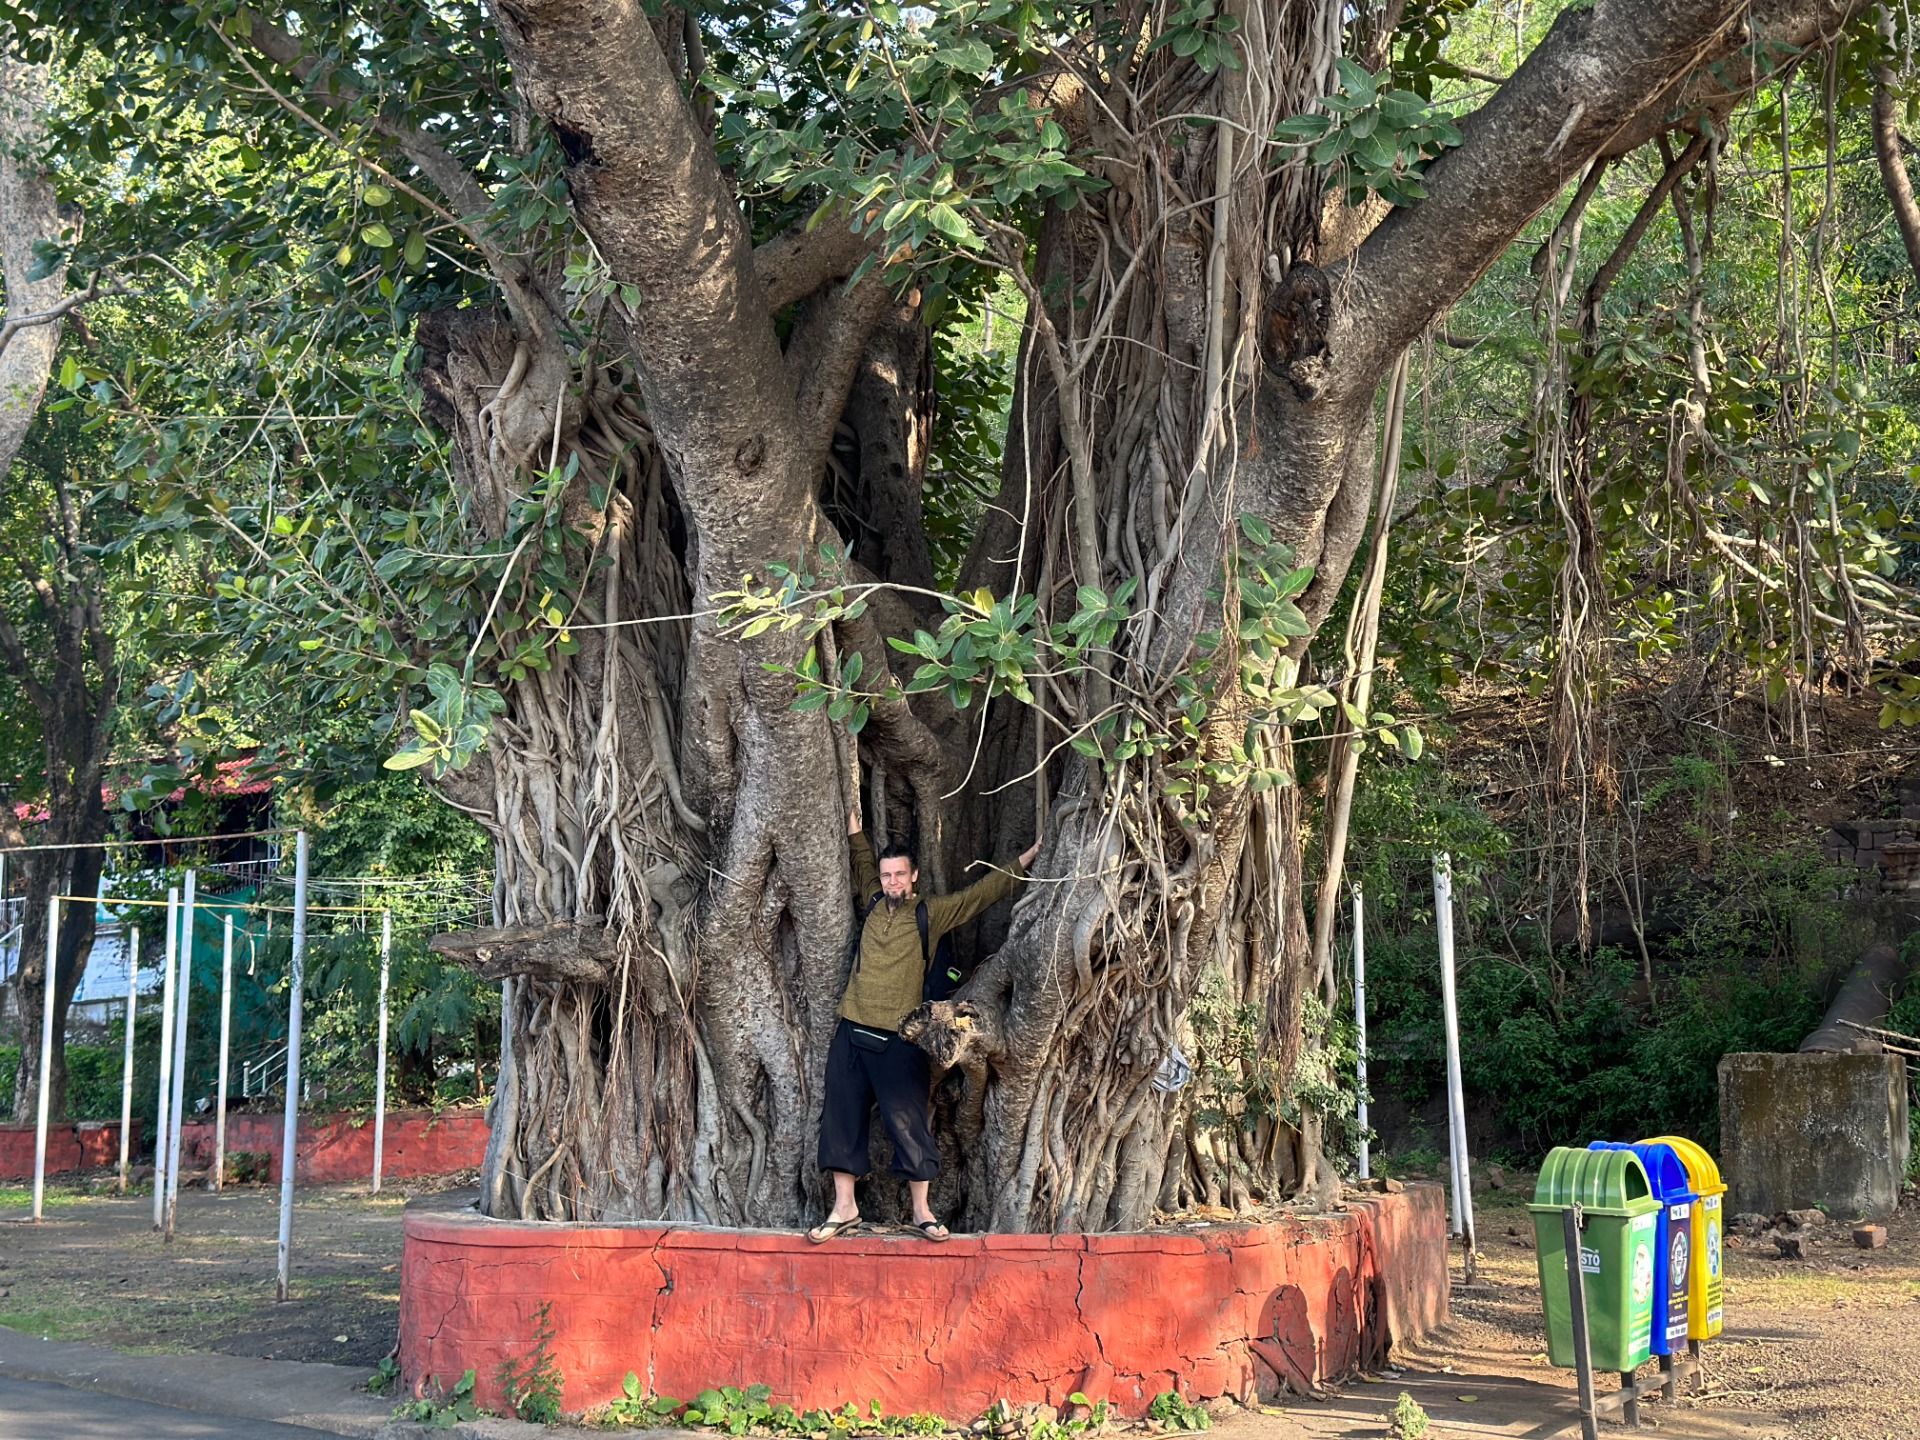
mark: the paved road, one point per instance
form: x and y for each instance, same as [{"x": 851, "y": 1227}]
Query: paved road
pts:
[{"x": 33, "y": 1410}]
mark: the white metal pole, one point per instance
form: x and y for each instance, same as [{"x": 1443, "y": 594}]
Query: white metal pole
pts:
[
  {"x": 1360, "y": 1025},
  {"x": 183, "y": 988},
  {"x": 163, "y": 1117},
  {"x": 1456, "y": 1098},
  {"x": 226, "y": 1028},
  {"x": 380, "y": 1052},
  {"x": 297, "y": 980},
  {"x": 126, "y": 1065},
  {"x": 46, "y": 1054}
]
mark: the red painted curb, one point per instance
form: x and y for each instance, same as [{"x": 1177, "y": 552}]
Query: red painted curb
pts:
[
  {"x": 1235, "y": 1310},
  {"x": 335, "y": 1148},
  {"x": 71, "y": 1145}
]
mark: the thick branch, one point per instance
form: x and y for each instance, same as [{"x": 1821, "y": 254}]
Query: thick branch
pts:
[
  {"x": 1601, "y": 74},
  {"x": 798, "y": 262},
  {"x": 579, "y": 953},
  {"x": 823, "y": 354},
  {"x": 648, "y": 189},
  {"x": 1779, "y": 32}
]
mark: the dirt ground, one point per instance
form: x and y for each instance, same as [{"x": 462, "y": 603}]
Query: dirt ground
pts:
[
  {"x": 1822, "y": 1349},
  {"x": 94, "y": 1269}
]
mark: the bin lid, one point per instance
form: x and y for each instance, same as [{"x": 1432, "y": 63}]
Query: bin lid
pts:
[
  {"x": 1666, "y": 1172},
  {"x": 1700, "y": 1165},
  {"x": 1603, "y": 1182}
]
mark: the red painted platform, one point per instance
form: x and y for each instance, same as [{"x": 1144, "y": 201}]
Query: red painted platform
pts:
[
  {"x": 1234, "y": 1310},
  {"x": 71, "y": 1145},
  {"x": 334, "y": 1148}
]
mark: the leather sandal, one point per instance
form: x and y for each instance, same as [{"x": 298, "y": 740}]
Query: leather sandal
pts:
[{"x": 932, "y": 1229}]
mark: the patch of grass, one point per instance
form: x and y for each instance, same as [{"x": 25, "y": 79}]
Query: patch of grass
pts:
[
  {"x": 70, "y": 1321},
  {"x": 1416, "y": 1161},
  {"x": 1790, "y": 1286},
  {"x": 1507, "y": 1201},
  {"x": 20, "y": 1197}
]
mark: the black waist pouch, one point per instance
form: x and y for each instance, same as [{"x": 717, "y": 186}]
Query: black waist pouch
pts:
[{"x": 865, "y": 1038}]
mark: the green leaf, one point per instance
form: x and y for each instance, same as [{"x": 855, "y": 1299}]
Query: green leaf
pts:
[
  {"x": 377, "y": 235},
  {"x": 408, "y": 760},
  {"x": 951, "y": 223},
  {"x": 376, "y": 195},
  {"x": 1355, "y": 81},
  {"x": 1294, "y": 581},
  {"x": 1301, "y": 128},
  {"x": 972, "y": 56}
]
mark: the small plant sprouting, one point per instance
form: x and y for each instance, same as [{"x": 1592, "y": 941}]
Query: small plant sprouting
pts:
[
  {"x": 533, "y": 1386},
  {"x": 440, "y": 1410},
  {"x": 385, "y": 1376},
  {"x": 1093, "y": 1420},
  {"x": 1177, "y": 1413}
]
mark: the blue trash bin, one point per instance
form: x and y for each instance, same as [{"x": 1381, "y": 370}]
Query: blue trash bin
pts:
[{"x": 1673, "y": 1240}]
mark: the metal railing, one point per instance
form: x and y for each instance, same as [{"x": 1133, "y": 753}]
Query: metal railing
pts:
[
  {"x": 264, "y": 1075},
  {"x": 267, "y": 1075}
]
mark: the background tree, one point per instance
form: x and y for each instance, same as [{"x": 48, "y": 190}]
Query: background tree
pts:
[{"x": 55, "y": 645}]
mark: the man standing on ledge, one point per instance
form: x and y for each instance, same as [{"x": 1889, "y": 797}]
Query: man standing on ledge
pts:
[{"x": 868, "y": 1060}]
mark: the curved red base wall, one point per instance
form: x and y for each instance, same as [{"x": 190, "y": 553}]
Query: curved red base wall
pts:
[
  {"x": 335, "y": 1148},
  {"x": 71, "y": 1145},
  {"x": 1235, "y": 1310}
]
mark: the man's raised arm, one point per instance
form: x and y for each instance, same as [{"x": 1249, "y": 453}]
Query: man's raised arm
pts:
[
  {"x": 945, "y": 912},
  {"x": 866, "y": 871}
]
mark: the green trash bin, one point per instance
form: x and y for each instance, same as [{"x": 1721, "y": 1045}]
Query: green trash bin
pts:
[{"x": 1619, "y": 1215}]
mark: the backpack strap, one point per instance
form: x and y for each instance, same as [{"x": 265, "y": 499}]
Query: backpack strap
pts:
[{"x": 860, "y": 930}]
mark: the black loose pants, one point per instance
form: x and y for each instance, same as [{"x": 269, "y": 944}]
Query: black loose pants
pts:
[{"x": 898, "y": 1077}]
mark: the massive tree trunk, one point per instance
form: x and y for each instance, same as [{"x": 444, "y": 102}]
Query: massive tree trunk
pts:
[
  {"x": 54, "y": 646},
  {"x": 1200, "y": 347}
]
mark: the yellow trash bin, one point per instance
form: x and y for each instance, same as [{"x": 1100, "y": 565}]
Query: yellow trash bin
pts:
[{"x": 1705, "y": 1306}]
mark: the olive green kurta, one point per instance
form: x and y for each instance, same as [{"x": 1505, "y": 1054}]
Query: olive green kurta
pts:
[{"x": 889, "y": 972}]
